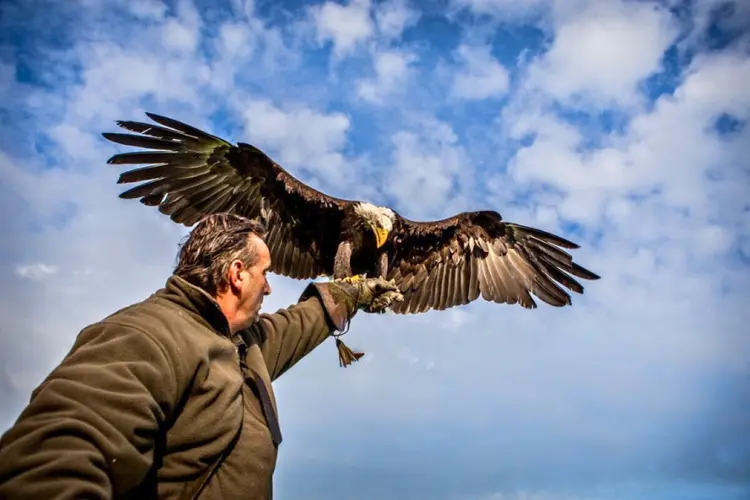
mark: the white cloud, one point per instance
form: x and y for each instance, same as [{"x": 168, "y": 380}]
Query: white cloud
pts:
[
  {"x": 303, "y": 137},
  {"x": 236, "y": 39},
  {"x": 75, "y": 142},
  {"x": 432, "y": 163},
  {"x": 147, "y": 9},
  {"x": 36, "y": 271},
  {"x": 182, "y": 33},
  {"x": 179, "y": 36},
  {"x": 502, "y": 9},
  {"x": 729, "y": 15},
  {"x": 346, "y": 26},
  {"x": 392, "y": 72},
  {"x": 114, "y": 75},
  {"x": 356, "y": 23},
  {"x": 671, "y": 148},
  {"x": 481, "y": 76},
  {"x": 602, "y": 53},
  {"x": 394, "y": 16},
  {"x": 247, "y": 46}
]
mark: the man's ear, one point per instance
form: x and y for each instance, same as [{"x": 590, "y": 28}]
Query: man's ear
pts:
[{"x": 235, "y": 275}]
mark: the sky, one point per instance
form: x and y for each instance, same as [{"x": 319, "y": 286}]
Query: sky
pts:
[{"x": 619, "y": 124}]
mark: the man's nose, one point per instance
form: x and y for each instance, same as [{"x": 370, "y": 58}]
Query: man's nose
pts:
[{"x": 268, "y": 288}]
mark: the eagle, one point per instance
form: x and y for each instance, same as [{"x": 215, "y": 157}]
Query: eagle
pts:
[{"x": 439, "y": 264}]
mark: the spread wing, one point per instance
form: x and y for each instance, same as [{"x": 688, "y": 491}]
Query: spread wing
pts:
[
  {"x": 191, "y": 174},
  {"x": 445, "y": 263}
]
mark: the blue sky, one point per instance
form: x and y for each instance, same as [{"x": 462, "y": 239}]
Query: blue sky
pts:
[{"x": 620, "y": 124}]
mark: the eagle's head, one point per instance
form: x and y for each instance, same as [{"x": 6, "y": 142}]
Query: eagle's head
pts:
[{"x": 379, "y": 219}]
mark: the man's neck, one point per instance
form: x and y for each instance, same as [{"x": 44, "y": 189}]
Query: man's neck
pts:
[{"x": 228, "y": 306}]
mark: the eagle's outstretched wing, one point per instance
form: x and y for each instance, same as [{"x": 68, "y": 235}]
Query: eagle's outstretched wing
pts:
[
  {"x": 445, "y": 263},
  {"x": 191, "y": 174}
]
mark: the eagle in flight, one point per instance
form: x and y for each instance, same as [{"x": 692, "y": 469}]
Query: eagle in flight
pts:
[{"x": 436, "y": 265}]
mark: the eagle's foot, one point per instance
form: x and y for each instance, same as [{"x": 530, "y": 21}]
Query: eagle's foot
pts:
[
  {"x": 353, "y": 279},
  {"x": 381, "y": 304}
]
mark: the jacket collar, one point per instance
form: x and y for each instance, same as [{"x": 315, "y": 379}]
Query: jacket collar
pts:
[{"x": 197, "y": 302}]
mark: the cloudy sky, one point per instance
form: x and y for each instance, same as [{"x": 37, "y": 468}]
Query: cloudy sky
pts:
[{"x": 619, "y": 124}]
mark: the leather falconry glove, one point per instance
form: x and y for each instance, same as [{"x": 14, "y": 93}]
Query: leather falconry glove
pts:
[{"x": 372, "y": 295}]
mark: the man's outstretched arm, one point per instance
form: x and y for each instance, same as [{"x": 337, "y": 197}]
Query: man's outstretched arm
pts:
[
  {"x": 90, "y": 427},
  {"x": 290, "y": 334}
]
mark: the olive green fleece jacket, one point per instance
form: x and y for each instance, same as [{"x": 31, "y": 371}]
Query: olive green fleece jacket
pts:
[{"x": 149, "y": 398}]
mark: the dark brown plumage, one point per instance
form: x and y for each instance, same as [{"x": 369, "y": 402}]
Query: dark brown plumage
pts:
[{"x": 437, "y": 265}]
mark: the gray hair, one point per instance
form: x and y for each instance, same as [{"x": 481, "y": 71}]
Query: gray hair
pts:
[{"x": 209, "y": 249}]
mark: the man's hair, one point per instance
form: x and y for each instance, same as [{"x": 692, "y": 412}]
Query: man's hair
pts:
[{"x": 209, "y": 249}]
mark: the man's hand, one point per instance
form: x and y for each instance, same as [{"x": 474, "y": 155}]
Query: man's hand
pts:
[
  {"x": 377, "y": 295},
  {"x": 372, "y": 295}
]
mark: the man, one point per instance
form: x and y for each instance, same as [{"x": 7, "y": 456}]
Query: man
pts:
[{"x": 171, "y": 397}]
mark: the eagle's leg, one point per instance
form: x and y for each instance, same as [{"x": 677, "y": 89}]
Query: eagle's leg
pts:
[
  {"x": 342, "y": 265},
  {"x": 381, "y": 266},
  {"x": 342, "y": 270}
]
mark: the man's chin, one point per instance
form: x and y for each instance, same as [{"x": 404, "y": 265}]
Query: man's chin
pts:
[
  {"x": 250, "y": 321},
  {"x": 254, "y": 318}
]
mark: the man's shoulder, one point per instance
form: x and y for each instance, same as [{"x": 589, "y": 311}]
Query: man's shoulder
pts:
[
  {"x": 150, "y": 311},
  {"x": 165, "y": 322}
]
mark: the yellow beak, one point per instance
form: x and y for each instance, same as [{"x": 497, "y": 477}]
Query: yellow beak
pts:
[{"x": 380, "y": 236}]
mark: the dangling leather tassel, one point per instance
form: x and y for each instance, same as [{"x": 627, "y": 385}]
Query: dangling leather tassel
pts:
[{"x": 346, "y": 355}]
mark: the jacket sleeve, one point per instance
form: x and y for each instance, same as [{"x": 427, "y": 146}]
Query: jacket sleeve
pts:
[
  {"x": 90, "y": 428},
  {"x": 290, "y": 334}
]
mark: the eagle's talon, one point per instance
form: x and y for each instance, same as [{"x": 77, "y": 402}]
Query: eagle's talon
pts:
[
  {"x": 353, "y": 279},
  {"x": 383, "y": 302}
]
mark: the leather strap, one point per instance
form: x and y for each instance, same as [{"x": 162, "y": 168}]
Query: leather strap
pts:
[
  {"x": 255, "y": 381},
  {"x": 265, "y": 401}
]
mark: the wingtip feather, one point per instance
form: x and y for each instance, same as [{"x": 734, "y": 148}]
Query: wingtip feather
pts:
[{"x": 156, "y": 117}]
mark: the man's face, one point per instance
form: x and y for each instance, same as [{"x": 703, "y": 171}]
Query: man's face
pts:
[{"x": 254, "y": 284}]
